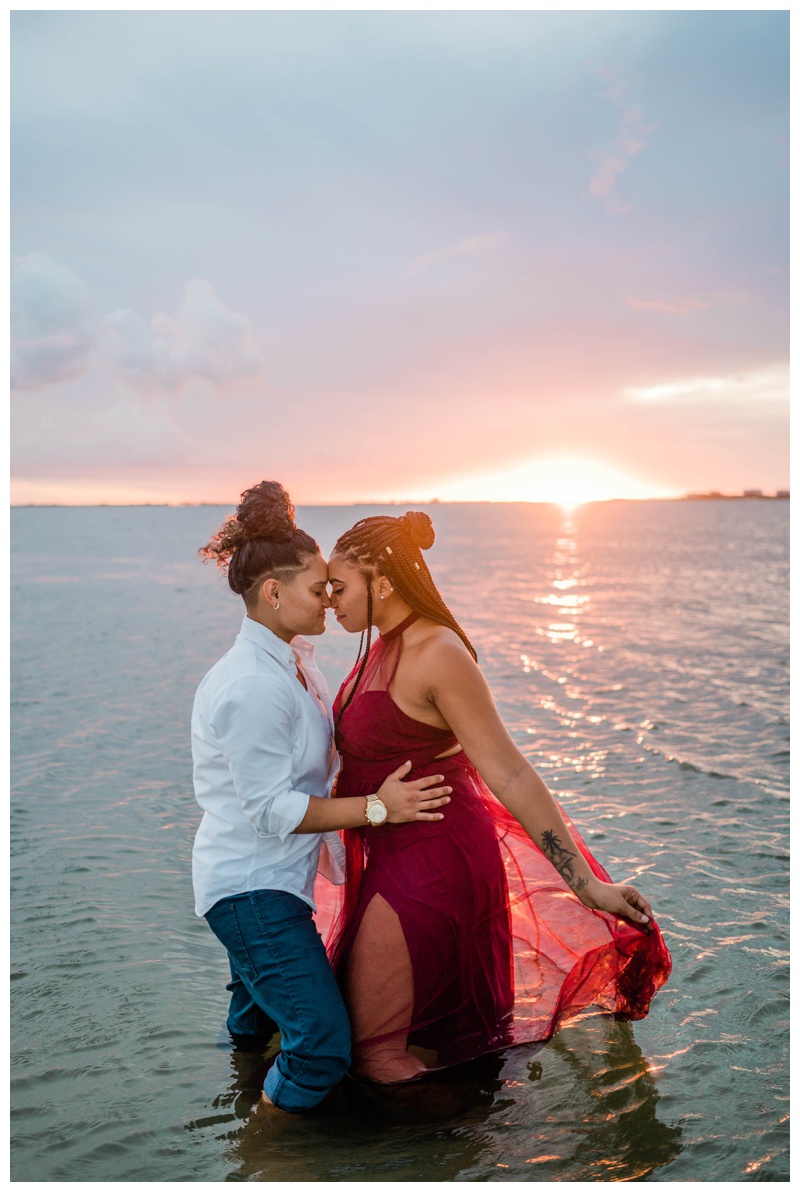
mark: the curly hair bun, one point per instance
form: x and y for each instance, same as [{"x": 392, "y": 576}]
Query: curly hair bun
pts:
[
  {"x": 265, "y": 511},
  {"x": 419, "y": 528}
]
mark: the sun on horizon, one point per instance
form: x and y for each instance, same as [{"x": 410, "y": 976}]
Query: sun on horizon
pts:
[{"x": 565, "y": 480}]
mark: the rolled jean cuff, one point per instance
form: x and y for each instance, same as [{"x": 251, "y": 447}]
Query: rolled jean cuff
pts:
[{"x": 286, "y": 1095}]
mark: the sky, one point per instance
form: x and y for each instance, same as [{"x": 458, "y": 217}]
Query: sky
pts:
[{"x": 395, "y": 256}]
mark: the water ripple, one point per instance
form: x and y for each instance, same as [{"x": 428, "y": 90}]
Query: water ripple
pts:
[{"x": 639, "y": 663}]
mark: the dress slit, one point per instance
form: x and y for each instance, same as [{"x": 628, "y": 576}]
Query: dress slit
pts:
[{"x": 378, "y": 980}]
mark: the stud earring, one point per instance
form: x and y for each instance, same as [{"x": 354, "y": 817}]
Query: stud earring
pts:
[{"x": 277, "y": 606}]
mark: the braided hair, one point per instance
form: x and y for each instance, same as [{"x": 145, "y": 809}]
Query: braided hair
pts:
[
  {"x": 392, "y": 546},
  {"x": 261, "y": 539}
]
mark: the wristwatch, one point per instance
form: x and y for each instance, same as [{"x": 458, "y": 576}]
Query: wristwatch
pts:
[{"x": 375, "y": 811}]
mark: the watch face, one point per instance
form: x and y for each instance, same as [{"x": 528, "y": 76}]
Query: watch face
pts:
[{"x": 376, "y": 813}]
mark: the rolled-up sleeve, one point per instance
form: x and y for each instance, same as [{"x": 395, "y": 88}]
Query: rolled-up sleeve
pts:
[{"x": 254, "y": 728}]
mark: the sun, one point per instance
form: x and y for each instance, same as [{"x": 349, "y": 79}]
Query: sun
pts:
[{"x": 565, "y": 480}]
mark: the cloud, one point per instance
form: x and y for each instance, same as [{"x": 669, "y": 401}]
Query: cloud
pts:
[
  {"x": 689, "y": 304},
  {"x": 629, "y": 142},
  {"x": 56, "y": 336},
  {"x": 203, "y": 340},
  {"x": 766, "y": 384},
  {"x": 53, "y": 325},
  {"x": 483, "y": 242},
  {"x": 605, "y": 176}
]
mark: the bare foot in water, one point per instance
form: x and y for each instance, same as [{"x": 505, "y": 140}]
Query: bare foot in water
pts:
[
  {"x": 396, "y": 1069},
  {"x": 265, "y": 1126},
  {"x": 266, "y": 1106}
]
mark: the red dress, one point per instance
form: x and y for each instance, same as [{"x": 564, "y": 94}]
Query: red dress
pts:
[{"x": 475, "y": 942}]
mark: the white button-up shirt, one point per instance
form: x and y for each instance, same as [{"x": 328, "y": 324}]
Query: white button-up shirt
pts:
[{"x": 262, "y": 745}]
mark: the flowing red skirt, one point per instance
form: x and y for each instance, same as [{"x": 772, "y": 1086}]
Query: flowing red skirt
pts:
[{"x": 458, "y": 937}]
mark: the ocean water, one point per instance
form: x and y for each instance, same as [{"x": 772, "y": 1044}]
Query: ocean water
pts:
[{"x": 638, "y": 653}]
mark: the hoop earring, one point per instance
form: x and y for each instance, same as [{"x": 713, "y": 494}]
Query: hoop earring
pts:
[{"x": 276, "y": 607}]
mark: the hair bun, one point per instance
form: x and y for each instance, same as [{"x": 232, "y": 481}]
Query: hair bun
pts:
[
  {"x": 265, "y": 511},
  {"x": 419, "y": 528}
]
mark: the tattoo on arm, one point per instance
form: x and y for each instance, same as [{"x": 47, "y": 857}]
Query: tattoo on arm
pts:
[{"x": 561, "y": 859}]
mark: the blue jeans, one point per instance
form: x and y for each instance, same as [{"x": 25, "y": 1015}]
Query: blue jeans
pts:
[
  {"x": 247, "y": 1022},
  {"x": 280, "y": 976}
]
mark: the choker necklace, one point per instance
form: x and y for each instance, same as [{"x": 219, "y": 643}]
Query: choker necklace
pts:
[{"x": 391, "y": 634}]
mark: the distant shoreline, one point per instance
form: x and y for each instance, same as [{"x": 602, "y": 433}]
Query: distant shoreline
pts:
[{"x": 779, "y": 496}]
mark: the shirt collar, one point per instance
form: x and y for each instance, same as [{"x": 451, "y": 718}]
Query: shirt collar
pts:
[
  {"x": 257, "y": 633},
  {"x": 303, "y": 648}
]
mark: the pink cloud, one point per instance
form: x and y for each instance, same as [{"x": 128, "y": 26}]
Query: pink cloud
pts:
[
  {"x": 689, "y": 303},
  {"x": 483, "y": 242},
  {"x": 630, "y": 140},
  {"x": 605, "y": 176}
]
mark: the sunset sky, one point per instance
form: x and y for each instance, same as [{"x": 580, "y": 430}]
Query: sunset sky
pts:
[{"x": 398, "y": 256}]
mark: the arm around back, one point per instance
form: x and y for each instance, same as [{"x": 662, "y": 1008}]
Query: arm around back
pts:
[{"x": 255, "y": 724}]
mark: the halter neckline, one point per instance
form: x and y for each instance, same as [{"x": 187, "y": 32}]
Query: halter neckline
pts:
[{"x": 391, "y": 634}]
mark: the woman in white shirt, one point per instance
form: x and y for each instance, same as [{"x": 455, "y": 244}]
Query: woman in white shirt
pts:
[{"x": 264, "y": 764}]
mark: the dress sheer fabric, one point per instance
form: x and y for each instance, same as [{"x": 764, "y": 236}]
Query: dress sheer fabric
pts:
[{"x": 457, "y": 937}]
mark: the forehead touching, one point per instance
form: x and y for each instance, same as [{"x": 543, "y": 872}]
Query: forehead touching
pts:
[
  {"x": 315, "y": 570},
  {"x": 341, "y": 570}
]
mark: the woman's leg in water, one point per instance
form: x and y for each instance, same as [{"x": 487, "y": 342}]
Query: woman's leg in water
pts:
[{"x": 379, "y": 993}]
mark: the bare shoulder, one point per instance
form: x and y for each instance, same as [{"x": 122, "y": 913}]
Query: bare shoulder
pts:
[{"x": 441, "y": 649}]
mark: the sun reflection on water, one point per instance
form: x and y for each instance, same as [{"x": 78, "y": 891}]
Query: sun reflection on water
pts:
[
  {"x": 565, "y": 577},
  {"x": 567, "y": 701}
]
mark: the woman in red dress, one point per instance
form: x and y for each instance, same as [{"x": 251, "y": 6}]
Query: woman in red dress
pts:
[{"x": 495, "y": 925}]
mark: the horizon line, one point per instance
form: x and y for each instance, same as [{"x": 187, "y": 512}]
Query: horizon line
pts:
[{"x": 754, "y": 495}]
